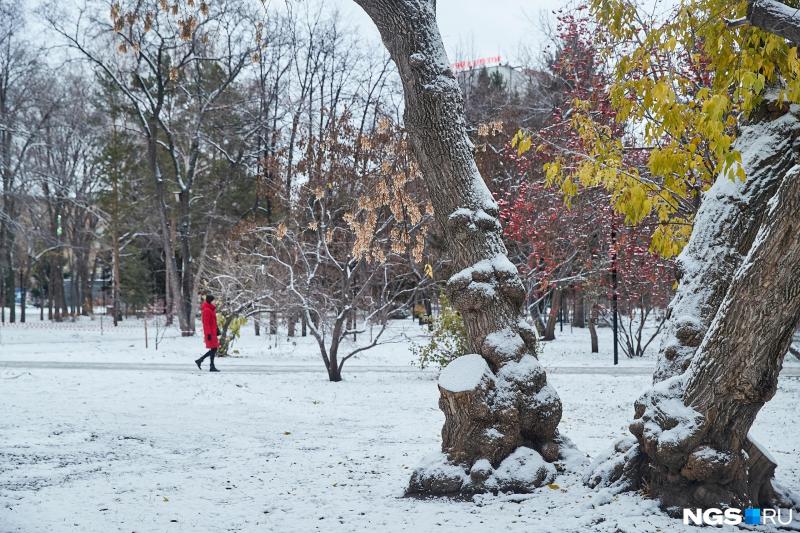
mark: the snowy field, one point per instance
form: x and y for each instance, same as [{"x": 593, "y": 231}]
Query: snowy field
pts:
[{"x": 141, "y": 441}]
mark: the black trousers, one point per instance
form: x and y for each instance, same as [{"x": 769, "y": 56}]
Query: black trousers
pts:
[{"x": 211, "y": 353}]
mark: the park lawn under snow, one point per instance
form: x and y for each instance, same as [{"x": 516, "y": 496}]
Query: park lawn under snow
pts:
[
  {"x": 95, "y": 340},
  {"x": 179, "y": 450}
]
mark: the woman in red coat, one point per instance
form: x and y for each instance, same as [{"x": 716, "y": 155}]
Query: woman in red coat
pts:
[{"x": 208, "y": 315}]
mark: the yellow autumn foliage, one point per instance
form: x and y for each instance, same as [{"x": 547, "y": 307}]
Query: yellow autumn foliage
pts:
[{"x": 682, "y": 82}]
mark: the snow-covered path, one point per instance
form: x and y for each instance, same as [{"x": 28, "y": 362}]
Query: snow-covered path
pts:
[{"x": 790, "y": 371}]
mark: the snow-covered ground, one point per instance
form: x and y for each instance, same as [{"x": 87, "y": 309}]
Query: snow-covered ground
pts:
[{"x": 141, "y": 450}]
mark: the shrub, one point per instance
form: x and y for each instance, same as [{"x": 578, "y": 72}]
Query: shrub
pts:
[
  {"x": 231, "y": 329},
  {"x": 448, "y": 340}
]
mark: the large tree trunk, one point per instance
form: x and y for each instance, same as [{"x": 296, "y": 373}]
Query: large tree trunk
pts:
[
  {"x": 492, "y": 433},
  {"x": 734, "y": 372},
  {"x": 775, "y": 17},
  {"x": 728, "y": 329}
]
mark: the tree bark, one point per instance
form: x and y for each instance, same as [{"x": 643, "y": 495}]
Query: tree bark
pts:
[
  {"x": 593, "y": 327},
  {"x": 487, "y": 289},
  {"x": 775, "y": 17},
  {"x": 552, "y": 317},
  {"x": 579, "y": 313},
  {"x": 23, "y": 276},
  {"x": 734, "y": 373},
  {"x": 728, "y": 329},
  {"x": 186, "y": 295},
  {"x": 115, "y": 251}
]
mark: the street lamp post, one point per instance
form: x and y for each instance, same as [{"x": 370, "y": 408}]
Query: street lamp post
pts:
[{"x": 614, "y": 308}]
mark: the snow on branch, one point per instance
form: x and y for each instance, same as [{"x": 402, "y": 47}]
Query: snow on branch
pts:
[{"x": 774, "y": 17}]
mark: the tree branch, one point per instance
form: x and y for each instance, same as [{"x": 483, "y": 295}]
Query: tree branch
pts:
[{"x": 774, "y": 17}]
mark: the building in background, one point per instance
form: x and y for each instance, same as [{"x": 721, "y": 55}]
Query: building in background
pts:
[{"x": 476, "y": 73}]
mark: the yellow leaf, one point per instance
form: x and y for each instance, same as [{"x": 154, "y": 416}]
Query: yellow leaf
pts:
[{"x": 524, "y": 145}]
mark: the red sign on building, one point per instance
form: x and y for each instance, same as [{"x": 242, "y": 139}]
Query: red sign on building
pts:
[{"x": 469, "y": 64}]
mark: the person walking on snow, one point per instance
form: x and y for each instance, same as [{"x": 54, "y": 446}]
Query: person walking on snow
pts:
[{"x": 208, "y": 315}]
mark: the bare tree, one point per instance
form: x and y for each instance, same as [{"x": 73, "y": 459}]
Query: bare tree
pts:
[
  {"x": 62, "y": 170},
  {"x": 21, "y": 80},
  {"x": 173, "y": 72},
  {"x": 338, "y": 295}
]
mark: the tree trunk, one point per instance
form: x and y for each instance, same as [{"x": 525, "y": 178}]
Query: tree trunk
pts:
[
  {"x": 734, "y": 373},
  {"x": 172, "y": 278},
  {"x": 332, "y": 362},
  {"x": 23, "y": 276},
  {"x": 11, "y": 292},
  {"x": 774, "y": 17},
  {"x": 538, "y": 321},
  {"x": 487, "y": 290},
  {"x": 186, "y": 297},
  {"x": 50, "y": 296},
  {"x": 429, "y": 313},
  {"x": 552, "y": 318},
  {"x": 59, "y": 305},
  {"x": 169, "y": 308},
  {"x": 115, "y": 248},
  {"x": 579, "y": 312},
  {"x": 2, "y": 296},
  {"x": 593, "y": 327},
  {"x": 728, "y": 329}
]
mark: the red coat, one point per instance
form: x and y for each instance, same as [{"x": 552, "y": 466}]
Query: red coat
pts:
[{"x": 208, "y": 314}]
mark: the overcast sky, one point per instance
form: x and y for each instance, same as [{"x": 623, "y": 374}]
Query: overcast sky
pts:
[
  {"x": 471, "y": 29},
  {"x": 477, "y": 28}
]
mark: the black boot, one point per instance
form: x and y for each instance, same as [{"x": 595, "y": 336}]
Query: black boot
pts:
[
  {"x": 198, "y": 362},
  {"x": 213, "y": 369}
]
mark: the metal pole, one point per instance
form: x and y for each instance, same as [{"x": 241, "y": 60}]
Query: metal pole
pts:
[{"x": 614, "y": 307}]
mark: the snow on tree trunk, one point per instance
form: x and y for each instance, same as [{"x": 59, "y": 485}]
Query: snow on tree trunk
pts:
[
  {"x": 510, "y": 414},
  {"x": 729, "y": 326},
  {"x": 775, "y": 17},
  {"x": 726, "y": 224}
]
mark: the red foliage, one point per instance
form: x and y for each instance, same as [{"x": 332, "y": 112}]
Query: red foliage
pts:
[{"x": 571, "y": 247}]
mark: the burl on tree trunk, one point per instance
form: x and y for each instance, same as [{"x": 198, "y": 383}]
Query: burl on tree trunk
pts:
[
  {"x": 729, "y": 327},
  {"x": 500, "y": 414}
]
